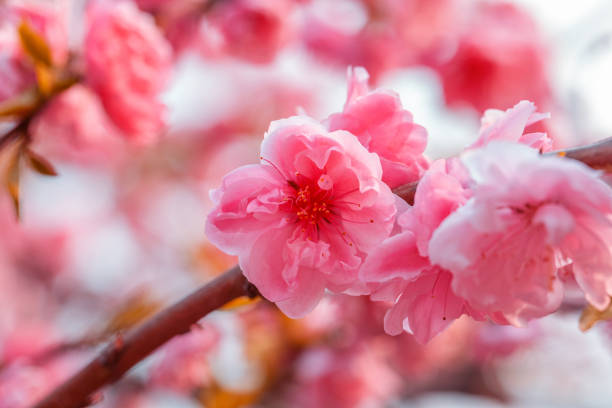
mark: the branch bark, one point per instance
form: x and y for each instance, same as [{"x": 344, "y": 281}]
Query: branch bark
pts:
[
  {"x": 122, "y": 354},
  {"x": 597, "y": 156}
]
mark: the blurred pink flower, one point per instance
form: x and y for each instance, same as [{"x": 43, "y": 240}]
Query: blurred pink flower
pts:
[
  {"x": 379, "y": 34},
  {"x": 75, "y": 127},
  {"x": 49, "y": 20},
  {"x": 499, "y": 341},
  {"x": 304, "y": 219},
  {"x": 254, "y": 30},
  {"x": 528, "y": 216},
  {"x": 510, "y": 126},
  {"x": 500, "y": 59},
  {"x": 22, "y": 385},
  {"x": 27, "y": 340},
  {"x": 127, "y": 64},
  {"x": 354, "y": 378},
  {"x": 383, "y": 127},
  {"x": 183, "y": 365}
]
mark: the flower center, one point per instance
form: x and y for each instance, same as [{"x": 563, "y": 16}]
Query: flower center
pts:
[{"x": 310, "y": 205}]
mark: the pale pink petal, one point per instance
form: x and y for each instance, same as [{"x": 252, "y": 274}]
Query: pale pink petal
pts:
[
  {"x": 433, "y": 304},
  {"x": 592, "y": 261},
  {"x": 309, "y": 289},
  {"x": 510, "y": 126},
  {"x": 396, "y": 257},
  {"x": 263, "y": 265},
  {"x": 396, "y": 318},
  {"x": 240, "y": 215},
  {"x": 383, "y": 127},
  {"x": 524, "y": 222}
]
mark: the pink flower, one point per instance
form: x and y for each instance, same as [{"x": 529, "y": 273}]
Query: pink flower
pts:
[
  {"x": 254, "y": 30},
  {"x": 128, "y": 62},
  {"x": 500, "y": 58},
  {"x": 399, "y": 270},
  {"x": 49, "y": 21},
  {"x": 510, "y": 126},
  {"x": 379, "y": 35},
  {"x": 383, "y": 127},
  {"x": 183, "y": 365},
  {"x": 357, "y": 377},
  {"x": 304, "y": 219},
  {"x": 22, "y": 385},
  {"x": 74, "y": 126},
  {"x": 528, "y": 216},
  {"x": 500, "y": 341}
]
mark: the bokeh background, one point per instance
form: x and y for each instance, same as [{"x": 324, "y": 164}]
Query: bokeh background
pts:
[{"x": 110, "y": 241}]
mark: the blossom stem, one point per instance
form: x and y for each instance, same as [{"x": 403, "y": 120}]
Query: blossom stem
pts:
[{"x": 125, "y": 352}]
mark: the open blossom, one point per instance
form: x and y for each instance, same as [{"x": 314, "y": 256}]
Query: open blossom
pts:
[
  {"x": 528, "y": 216},
  {"x": 500, "y": 58},
  {"x": 304, "y": 219},
  {"x": 510, "y": 126},
  {"x": 128, "y": 62},
  {"x": 399, "y": 270},
  {"x": 383, "y": 127}
]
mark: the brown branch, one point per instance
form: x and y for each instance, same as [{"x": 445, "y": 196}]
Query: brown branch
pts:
[
  {"x": 597, "y": 156},
  {"x": 123, "y": 353}
]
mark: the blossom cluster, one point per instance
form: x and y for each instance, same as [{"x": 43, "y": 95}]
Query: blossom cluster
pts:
[
  {"x": 89, "y": 92},
  {"x": 486, "y": 236},
  {"x": 389, "y": 272}
]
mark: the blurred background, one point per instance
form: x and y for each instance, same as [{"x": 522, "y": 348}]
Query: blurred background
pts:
[{"x": 116, "y": 237}]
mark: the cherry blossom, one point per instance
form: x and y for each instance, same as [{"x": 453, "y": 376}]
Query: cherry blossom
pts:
[
  {"x": 399, "y": 270},
  {"x": 383, "y": 127},
  {"x": 357, "y": 377},
  {"x": 304, "y": 219},
  {"x": 528, "y": 216},
  {"x": 500, "y": 58},
  {"x": 74, "y": 126},
  {"x": 510, "y": 125},
  {"x": 254, "y": 30},
  {"x": 127, "y": 64}
]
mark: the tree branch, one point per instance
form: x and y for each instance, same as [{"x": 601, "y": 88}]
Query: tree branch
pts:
[
  {"x": 597, "y": 156},
  {"x": 122, "y": 354}
]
